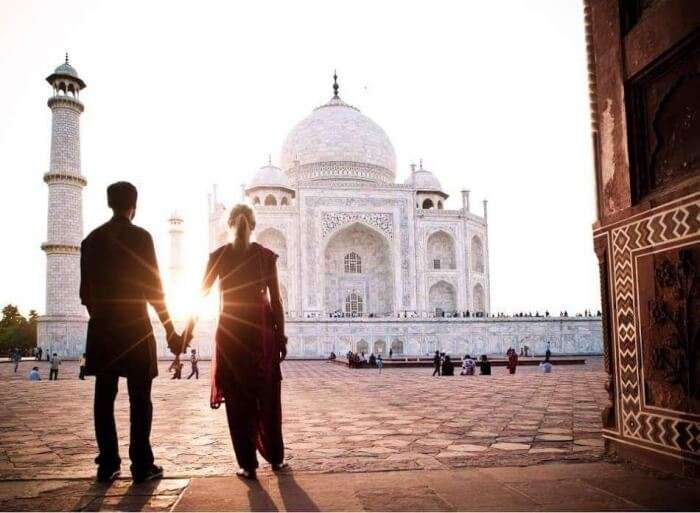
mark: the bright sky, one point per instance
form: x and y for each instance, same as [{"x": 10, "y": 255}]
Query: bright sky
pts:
[{"x": 180, "y": 95}]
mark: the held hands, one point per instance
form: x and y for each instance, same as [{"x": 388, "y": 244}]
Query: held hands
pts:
[{"x": 174, "y": 342}]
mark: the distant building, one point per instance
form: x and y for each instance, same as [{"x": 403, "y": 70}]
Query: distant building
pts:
[{"x": 353, "y": 242}]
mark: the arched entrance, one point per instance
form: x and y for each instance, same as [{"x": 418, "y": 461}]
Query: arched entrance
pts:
[{"x": 358, "y": 272}]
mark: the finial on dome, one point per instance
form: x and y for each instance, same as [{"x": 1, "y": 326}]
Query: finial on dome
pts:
[
  {"x": 269, "y": 159},
  {"x": 335, "y": 84},
  {"x": 67, "y": 58},
  {"x": 413, "y": 167},
  {"x": 420, "y": 164}
]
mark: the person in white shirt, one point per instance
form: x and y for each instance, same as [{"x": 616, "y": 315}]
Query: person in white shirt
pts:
[{"x": 468, "y": 366}]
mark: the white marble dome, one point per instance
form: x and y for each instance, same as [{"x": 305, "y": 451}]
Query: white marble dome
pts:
[
  {"x": 269, "y": 176},
  {"x": 424, "y": 180},
  {"x": 337, "y": 141}
]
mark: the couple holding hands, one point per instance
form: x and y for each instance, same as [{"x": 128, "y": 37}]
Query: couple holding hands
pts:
[{"x": 120, "y": 277}]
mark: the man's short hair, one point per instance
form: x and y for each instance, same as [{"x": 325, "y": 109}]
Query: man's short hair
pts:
[{"x": 121, "y": 196}]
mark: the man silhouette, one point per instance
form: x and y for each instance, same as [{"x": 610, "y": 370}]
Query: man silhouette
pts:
[{"x": 119, "y": 277}]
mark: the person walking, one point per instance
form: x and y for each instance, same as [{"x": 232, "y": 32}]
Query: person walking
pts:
[
  {"x": 16, "y": 357},
  {"x": 436, "y": 363},
  {"x": 119, "y": 278},
  {"x": 194, "y": 362},
  {"x": 380, "y": 363},
  {"x": 81, "y": 363},
  {"x": 512, "y": 364},
  {"x": 53, "y": 371}
]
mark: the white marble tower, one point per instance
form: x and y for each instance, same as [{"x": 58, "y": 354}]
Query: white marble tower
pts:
[
  {"x": 62, "y": 328},
  {"x": 176, "y": 230}
]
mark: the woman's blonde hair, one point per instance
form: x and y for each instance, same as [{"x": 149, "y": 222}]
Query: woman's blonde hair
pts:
[{"x": 245, "y": 210}]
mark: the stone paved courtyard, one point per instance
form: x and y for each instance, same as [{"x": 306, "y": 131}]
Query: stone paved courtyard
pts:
[
  {"x": 335, "y": 419},
  {"x": 356, "y": 440}
]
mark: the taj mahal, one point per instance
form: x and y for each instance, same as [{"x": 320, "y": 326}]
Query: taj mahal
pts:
[{"x": 366, "y": 263}]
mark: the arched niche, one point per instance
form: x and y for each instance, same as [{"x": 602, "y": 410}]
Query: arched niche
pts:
[
  {"x": 479, "y": 298},
  {"x": 477, "y": 255},
  {"x": 442, "y": 298},
  {"x": 441, "y": 251},
  {"x": 274, "y": 239},
  {"x": 375, "y": 282}
]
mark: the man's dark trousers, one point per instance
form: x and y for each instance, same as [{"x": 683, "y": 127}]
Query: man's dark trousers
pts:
[{"x": 141, "y": 415}]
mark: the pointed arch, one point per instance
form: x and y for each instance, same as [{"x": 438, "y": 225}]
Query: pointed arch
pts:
[
  {"x": 441, "y": 251},
  {"x": 477, "y": 255},
  {"x": 442, "y": 298},
  {"x": 479, "y": 298},
  {"x": 274, "y": 239}
]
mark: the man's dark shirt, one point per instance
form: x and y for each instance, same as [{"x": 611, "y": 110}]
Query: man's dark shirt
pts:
[{"x": 119, "y": 276}]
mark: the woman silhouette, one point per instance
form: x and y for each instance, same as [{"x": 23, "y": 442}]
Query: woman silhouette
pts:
[{"x": 249, "y": 345}]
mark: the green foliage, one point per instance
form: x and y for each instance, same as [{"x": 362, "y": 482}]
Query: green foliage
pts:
[{"x": 16, "y": 330}]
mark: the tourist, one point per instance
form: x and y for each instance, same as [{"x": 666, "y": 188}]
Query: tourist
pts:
[
  {"x": 548, "y": 352},
  {"x": 176, "y": 368},
  {"x": 372, "y": 360},
  {"x": 380, "y": 363},
  {"x": 436, "y": 363},
  {"x": 194, "y": 362},
  {"x": 250, "y": 344},
  {"x": 39, "y": 352},
  {"x": 391, "y": 353},
  {"x": 468, "y": 366},
  {"x": 332, "y": 357},
  {"x": 119, "y": 279},
  {"x": 16, "y": 357},
  {"x": 81, "y": 364},
  {"x": 34, "y": 374},
  {"x": 512, "y": 364},
  {"x": 484, "y": 366},
  {"x": 53, "y": 372},
  {"x": 448, "y": 368},
  {"x": 546, "y": 366}
]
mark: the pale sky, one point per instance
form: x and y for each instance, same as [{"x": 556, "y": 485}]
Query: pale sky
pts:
[{"x": 181, "y": 95}]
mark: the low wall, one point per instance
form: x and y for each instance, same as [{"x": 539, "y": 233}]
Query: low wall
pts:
[{"x": 314, "y": 338}]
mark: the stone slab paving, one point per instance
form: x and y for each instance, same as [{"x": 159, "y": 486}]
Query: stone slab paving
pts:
[
  {"x": 545, "y": 487},
  {"x": 356, "y": 440},
  {"x": 335, "y": 419}
]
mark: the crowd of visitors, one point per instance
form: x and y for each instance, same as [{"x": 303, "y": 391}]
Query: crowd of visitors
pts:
[{"x": 438, "y": 313}]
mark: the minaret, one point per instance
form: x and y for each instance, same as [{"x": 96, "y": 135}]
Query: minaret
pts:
[
  {"x": 176, "y": 230},
  {"x": 62, "y": 329}
]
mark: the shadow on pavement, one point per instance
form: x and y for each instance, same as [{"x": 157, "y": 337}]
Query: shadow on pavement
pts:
[
  {"x": 293, "y": 495},
  {"x": 258, "y": 498}
]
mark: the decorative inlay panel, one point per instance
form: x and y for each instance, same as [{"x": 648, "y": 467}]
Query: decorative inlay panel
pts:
[{"x": 381, "y": 221}]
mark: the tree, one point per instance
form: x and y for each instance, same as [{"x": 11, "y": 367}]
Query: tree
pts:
[{"x": 16, "y": 330}]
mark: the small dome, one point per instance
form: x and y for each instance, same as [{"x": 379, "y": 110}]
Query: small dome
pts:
[
  {"x": 269, "y": 176},
  {"x": 66, "y": 69},
  {"x": 424, "y": 180}
]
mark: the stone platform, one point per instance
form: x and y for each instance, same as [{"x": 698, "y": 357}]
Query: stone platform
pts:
[{"x": 352, "y": 429}]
